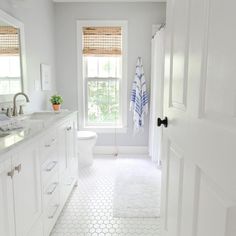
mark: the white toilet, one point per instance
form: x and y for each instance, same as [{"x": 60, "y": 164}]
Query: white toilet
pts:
[{"x": 86, "y": 143}]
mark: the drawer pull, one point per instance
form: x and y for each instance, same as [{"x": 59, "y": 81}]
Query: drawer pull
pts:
[
  {"x": 18, "y": 168},
  {"x": 68, "y": 128},
  {"x": 52, "y": 188},
  {"x": 52, "y": 142},
  {"x": 51, "y": 166},
  {"x": 70, "y": 182},
  {"x": 54, "y": 212},
  {"x": 11, "y": 173}
]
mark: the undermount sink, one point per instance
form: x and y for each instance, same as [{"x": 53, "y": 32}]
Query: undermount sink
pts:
[
  {"x": 2, "y": 135},
  {"x": 29, "y": 123},
  {"x": 44, "y": 116}
]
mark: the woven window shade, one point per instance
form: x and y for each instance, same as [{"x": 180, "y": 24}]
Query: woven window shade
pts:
[
  {"x": 102, "y": 41},
  {"x": 9, "y": 40}
]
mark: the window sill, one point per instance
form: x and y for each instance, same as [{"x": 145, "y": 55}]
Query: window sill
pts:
[{"x": 108, "y": 130}]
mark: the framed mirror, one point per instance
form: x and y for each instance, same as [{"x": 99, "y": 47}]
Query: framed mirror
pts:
[{"x": 12, "y": 57}]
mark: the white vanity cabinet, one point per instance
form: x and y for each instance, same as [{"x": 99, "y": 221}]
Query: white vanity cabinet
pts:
[
  {"x": 20, "y": 194},
  {"x": 36, "y": 178},
  {"x": 7, "y": 224},
  {"x": 26, "y": 187},
  {"x": 68, "y": 161},
  {"x": 49, "y": 165}
]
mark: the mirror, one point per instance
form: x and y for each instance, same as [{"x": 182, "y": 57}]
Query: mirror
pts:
[{"x": 11, "y": 57}]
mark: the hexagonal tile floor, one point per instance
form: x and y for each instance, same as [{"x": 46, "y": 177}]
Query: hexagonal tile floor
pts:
[{"x": 89, "y": 210}]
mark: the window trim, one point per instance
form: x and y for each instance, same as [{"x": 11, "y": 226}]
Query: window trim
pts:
[{"x": 81, "y": 88}]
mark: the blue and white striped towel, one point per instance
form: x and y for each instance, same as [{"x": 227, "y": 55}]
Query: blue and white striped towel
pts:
[{"x": 139, "y": 98}]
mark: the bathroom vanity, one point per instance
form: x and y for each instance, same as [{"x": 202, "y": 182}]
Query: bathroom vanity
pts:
[{"x": 38, "y": 170}]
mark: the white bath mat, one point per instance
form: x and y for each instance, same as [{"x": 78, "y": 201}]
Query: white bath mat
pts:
[{"x": 137, "y": 189}]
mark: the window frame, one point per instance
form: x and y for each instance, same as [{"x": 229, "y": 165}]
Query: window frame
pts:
[{"x": 82, "y": 87}]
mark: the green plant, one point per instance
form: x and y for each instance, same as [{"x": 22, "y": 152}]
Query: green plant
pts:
[{"x": 56, "y": 99}]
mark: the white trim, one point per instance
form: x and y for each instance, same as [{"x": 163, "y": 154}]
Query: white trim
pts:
[
  {"x": 17, "y": 24},
  {"x": 109, "y": 150},
  {"x": 94, "y": 1},
  {"x": 106, "y": 130},
  {"x": 81, "y": 92}
]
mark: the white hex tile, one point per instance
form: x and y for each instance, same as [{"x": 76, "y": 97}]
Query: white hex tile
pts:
[{"x": 89, "y": 212}]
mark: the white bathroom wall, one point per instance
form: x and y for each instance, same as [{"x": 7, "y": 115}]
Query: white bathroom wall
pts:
[
  {"x": 140, "y": 17},
  {"x": 38, "y": 19}
]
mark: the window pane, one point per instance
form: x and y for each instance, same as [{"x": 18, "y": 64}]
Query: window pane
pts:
[
  {"x": 10, "y": 66},
  {"x": 10, "y": 86},
  {"x": 92, "y": 66},
  {"x": 103, "y": 67},
  {"x": 103, "y": 102}
]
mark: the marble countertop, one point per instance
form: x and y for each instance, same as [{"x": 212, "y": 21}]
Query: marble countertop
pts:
[{"x": 30, "y": 125}]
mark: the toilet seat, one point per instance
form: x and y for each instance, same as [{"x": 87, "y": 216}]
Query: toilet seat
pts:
[{"x": 83, "y": 135}]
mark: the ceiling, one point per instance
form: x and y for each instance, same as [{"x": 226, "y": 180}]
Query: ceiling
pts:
[{"x": 109, "y": 0}]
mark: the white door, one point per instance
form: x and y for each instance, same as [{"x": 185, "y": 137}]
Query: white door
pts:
[
  {"x": 27, "y": 188},
  {"x": 156, "y": 101},
  {"x": 199, "y": 154},
  {"x": 7, "y": 225}
]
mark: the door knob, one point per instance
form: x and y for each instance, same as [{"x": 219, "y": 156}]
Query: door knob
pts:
[{"x": 162, "y": 122}]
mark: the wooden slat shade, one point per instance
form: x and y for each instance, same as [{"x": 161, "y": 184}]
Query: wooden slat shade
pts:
[
  {"x": 102, "y": 41},
  {"x": 9, "y": 40}
]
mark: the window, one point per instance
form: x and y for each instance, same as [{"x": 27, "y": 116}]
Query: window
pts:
[
  {"x": 10, "y": 67},
  {"x": 103, "y": 75}
]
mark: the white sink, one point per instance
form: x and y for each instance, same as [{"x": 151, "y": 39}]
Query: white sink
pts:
[
  {"x": 4, "y": 134},
  {"x": 42, "y": 115},
  {"x": 45, "y": 116},
  {"x": 29, "y": 123}
]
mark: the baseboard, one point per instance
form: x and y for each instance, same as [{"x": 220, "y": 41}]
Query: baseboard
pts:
[{"x": 109, "y": 150}]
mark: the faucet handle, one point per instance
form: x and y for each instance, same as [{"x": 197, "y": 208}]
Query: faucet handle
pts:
[
  {"x": 21, "y": 112},
  {"x": 15, "y": 112},
  {"x": 9, "y": 112}
]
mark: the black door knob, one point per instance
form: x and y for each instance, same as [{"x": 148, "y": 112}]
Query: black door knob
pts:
[{"x": 162, "y": 122}]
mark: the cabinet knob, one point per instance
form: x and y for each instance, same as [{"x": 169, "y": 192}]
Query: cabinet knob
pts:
[
  {"x": 18, "y": 168},
  {"x": 11, "y": 173},
  {"x": 68, "y": 128}
]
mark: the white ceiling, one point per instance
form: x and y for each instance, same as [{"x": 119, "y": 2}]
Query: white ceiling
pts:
[{"x": 109, "y": 0}]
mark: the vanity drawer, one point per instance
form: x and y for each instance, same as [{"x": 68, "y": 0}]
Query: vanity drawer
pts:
[
  {"x": 48, "y": 170},
  {"x": 51, "y": 213},
  {"x": 51, "y": 189},
  {"x": 67, "y": 183},
  {"x": 48, "y": 146}
]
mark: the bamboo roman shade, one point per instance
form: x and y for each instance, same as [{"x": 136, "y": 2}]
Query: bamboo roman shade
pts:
[
  {"x": 9, "y": 40},
  {"x": 102, "y": 41}
]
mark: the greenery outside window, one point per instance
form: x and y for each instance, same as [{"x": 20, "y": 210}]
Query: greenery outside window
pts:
[{"x": 103, "y": 60}]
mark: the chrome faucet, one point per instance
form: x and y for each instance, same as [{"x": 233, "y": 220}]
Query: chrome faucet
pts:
[{"x": 15, "y": 112}]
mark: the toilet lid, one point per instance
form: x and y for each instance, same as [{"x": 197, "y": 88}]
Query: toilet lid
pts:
[{"x": 86, "y": 135}]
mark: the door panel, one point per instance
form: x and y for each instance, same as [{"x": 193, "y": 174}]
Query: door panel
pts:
[
  {"x": 61, "y": 134},
  {"x": 7, "y": 225},
  {"x": 212, "y": 202},
  {"x": 179, "y": 46},
  {"x": 174, "y": 183},
  {"x": 27, "y": 188},
  {"x": 220, "y": 96},
  {"x": 199, "y": 177}
]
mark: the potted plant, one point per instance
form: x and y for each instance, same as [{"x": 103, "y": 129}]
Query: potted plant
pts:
[{"x": 56, "y": 101}]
